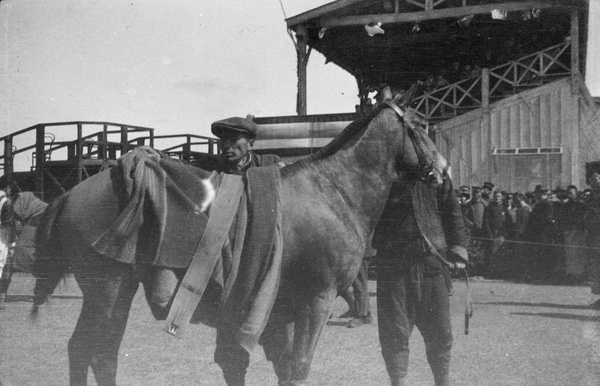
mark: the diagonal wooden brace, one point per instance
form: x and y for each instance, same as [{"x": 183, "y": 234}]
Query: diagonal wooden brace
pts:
[{"x": 222, "y": 213}]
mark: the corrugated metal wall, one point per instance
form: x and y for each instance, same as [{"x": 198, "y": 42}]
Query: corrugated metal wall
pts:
[{"x": 544, "y": 117}]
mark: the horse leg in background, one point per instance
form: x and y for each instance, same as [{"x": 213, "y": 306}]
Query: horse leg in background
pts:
[
  {"x": 231, "y": 357},
  {"x": 308, "y": 327},
  {"x": 277, "y": 340},
  {"x": 108, "y": 291}
]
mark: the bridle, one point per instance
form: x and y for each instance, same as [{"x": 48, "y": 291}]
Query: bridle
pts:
[{"x": 426, "y": 164}]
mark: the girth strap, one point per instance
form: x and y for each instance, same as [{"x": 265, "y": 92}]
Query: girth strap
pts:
[{"x": 222, "y": 213}]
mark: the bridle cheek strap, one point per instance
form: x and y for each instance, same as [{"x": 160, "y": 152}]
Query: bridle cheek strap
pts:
[{"x": 426, "y": 164}]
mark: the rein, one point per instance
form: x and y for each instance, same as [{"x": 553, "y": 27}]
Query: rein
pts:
[
  {"x": 426, "y": 164},
  {"x": 427, "y": 167}
]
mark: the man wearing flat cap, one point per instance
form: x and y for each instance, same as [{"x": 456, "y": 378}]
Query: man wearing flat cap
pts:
[
  {"x": 237, "y": 137},
  {"x": 591, "y": 222},
  {"x": 487, "y": 191}
]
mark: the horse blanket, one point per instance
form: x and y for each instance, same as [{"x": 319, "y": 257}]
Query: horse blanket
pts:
[
  {"x": 248, "y": 273},
  {"x": 162, "y": 197}
]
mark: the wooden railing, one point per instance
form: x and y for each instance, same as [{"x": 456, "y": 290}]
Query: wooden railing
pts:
[
  {"x": 495, "y": 83},
  {"x": 110, "y": 141},
  {"x": 186, "y": 145},
  {"x": 52, "y": 142}
]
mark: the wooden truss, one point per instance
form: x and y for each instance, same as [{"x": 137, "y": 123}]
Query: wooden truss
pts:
[{"x": 496, "y": 83}]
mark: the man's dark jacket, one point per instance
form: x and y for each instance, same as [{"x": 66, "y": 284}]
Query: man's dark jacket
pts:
[{"x": 414, "y": 209}]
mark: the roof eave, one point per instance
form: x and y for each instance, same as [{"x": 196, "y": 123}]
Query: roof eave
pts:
[
  {"x": 321, "y": 11},
  {"x": 321, "y": 16}
]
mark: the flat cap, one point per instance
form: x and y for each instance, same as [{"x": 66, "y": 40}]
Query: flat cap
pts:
[
  {"x": 488, "y": 185},
  {"x": 241, "y": 125}
]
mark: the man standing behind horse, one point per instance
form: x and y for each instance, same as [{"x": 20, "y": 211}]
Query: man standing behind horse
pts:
[
  {"x": 237, "y": 137},
  {"x": 420, "y": 227},
  {"x": 7, "y": 239}
]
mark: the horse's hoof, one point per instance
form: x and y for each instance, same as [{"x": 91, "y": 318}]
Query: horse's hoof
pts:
[
  {"x": 292, "y": 383},
  {"x": 298, "y": 383}
]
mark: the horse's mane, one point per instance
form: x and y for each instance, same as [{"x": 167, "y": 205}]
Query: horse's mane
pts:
[
  {"x": 352, "y": 131},
  {"x": 357, "y": 128}
]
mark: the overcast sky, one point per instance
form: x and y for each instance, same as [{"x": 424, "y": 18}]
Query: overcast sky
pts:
[{"x": 175, "y": 65}]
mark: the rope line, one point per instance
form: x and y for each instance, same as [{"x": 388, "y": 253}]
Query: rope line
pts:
[{"x": 536, "y": 243}]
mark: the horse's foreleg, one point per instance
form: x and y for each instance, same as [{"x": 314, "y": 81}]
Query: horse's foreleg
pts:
[
  {"x": 231, "y": 357},
  {"x": 307, "y": 331},
  {"x": 277, "y": 341}
]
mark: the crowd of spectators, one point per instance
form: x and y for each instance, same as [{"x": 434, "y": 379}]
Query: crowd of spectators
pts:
[{"x": 537, "y": 235}]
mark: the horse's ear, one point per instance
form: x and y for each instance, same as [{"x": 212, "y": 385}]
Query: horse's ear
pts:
[
  {"x": 386, "y": 93},
  {"x": 404, "y": 100}
]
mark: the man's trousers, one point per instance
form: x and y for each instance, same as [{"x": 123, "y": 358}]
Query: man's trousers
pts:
[{"x": 409, "y": 295}]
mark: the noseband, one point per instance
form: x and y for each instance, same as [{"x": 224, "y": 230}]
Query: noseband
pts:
[{"x": 426, "y": 164}]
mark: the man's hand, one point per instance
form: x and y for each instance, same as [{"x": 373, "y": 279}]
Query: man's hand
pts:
[
  {"x": 458, "y": 265},
  {"x": 458, "y": 257}
]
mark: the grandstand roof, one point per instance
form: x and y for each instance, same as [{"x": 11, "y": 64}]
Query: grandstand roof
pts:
[{"x": 428, "y": 36}]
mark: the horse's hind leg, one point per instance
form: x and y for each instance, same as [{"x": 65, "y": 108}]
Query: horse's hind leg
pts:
[
  {"x": 277, "y": 341},
  {"x": 307, "y": 331},
  {"x": 81, "y": 343},
  {"x": 101, "y": 325}
]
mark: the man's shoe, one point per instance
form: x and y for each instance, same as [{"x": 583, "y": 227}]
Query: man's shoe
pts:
[
  {"x": 355, "y": 322},
  {"x": 360, "y": 320},
  {"x": 346, "y": 315}
]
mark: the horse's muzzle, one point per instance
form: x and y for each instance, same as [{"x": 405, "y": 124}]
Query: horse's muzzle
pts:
[{"x": 434, "y": 179}]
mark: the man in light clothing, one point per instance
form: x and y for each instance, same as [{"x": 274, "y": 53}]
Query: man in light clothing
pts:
[{"x": 7, "y": 234}]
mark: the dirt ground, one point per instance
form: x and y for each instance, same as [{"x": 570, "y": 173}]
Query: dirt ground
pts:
[{"x": 520, "y": 335}]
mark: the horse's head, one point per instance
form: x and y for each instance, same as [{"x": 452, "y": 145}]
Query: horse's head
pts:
[{"x": 419, "y": 157}]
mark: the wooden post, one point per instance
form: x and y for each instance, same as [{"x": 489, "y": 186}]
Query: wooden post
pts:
[
  {"x": 79, "y": 153},
  {"x": 302, "y": 54},
  {"x": 124, "y": 144},
  {"x": 485, "y": 89},
  {"x": 212, "y": 144},
  {"x": 486, "y": 118},
  {"x": 151, "y": 138},
  {"x": 40, "y": 160},
  {"x": 574, "y": 49},
  {"x": 40, "y": 133},
  {"x": 8, "y": 155},
  {"x": 186, "y": 151},
  {"x": 103, "y": 139}
]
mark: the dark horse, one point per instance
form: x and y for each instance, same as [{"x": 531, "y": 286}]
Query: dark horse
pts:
[{"x": 330, "y": 202}]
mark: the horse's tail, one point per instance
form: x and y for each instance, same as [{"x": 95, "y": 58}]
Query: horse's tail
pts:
[{"x": 50, "y": 264}]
